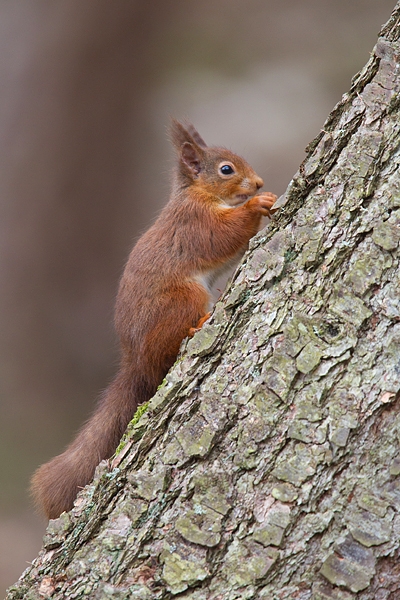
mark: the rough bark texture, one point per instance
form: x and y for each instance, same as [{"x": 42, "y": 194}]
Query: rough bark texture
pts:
[{"x": 268, "y": 464}]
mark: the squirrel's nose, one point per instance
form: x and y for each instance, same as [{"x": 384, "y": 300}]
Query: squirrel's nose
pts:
[{"x": 259, "y": 183}]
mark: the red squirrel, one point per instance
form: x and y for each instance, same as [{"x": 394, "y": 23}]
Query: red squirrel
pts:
[{"x": 163, "y": 297}]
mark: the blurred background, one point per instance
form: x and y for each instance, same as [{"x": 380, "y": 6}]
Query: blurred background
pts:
[{"x": 86, "y": 91}]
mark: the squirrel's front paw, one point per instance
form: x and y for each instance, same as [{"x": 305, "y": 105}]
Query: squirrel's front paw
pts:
[{"x": 265, "y": 202}]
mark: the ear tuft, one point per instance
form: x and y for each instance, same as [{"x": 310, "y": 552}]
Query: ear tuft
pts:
[
  {"x": 195, "y": 135},
  {"x": 185, "y": 133}
]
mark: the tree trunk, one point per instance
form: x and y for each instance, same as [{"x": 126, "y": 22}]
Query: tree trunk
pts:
[{"x": 267, "y": 465}]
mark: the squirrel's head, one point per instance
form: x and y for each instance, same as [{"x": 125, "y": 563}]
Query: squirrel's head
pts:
[{"x": 225, "y": 175}]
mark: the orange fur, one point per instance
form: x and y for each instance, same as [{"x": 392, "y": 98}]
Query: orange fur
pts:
[{"x": 163, "y": 297}]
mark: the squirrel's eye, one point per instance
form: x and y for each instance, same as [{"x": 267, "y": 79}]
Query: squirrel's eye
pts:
[{"x": 226, "y": 169}]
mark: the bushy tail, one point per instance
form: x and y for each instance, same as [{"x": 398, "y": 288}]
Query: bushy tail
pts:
[{"x": 55, "y": 484}]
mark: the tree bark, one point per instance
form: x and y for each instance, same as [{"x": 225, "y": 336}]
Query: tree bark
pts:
[{"x": 267, "y": 465}]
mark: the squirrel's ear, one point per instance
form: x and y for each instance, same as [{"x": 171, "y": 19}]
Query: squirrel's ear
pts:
[
  {"x": 191, "y": 156},
  {"x": 195, "y": 135},
  {"x": 185, "y": 133}
]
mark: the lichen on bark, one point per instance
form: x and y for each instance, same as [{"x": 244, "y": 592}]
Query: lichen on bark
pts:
[{"x": 267, "y": 464}]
